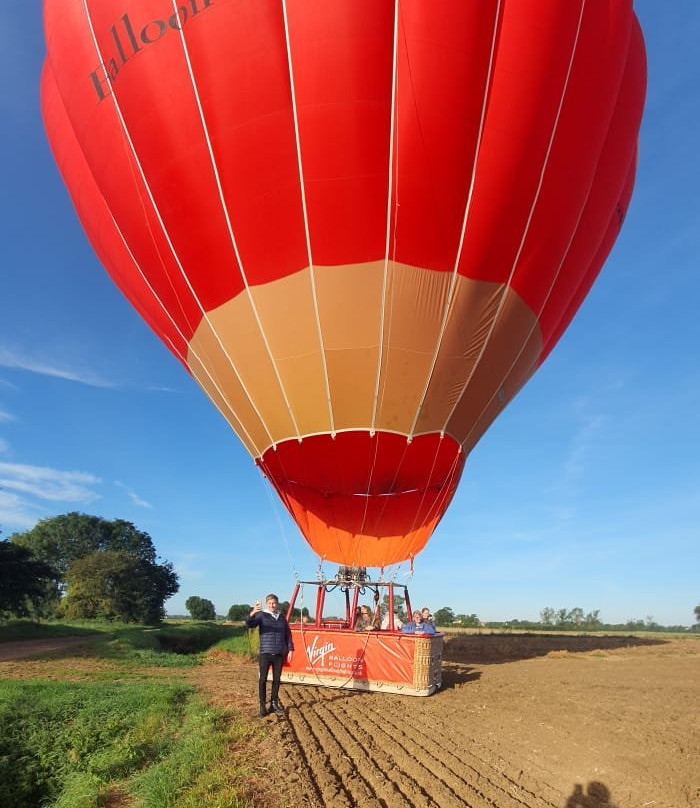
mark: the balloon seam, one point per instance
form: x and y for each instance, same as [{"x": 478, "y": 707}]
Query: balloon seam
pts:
[
  {"x": 553, "y": 283},
  {"x": 545, "y": 163},
  {"x": 380, "y": 356},
  {"x": 156, "y": 211},
  {"x": 178, "y": 330},
  {"x": 392, "y": 135},
  {"x": 307, "y": 233},
  {"x": 229, "y": 225},
  {"x": 467, "y": 210}
]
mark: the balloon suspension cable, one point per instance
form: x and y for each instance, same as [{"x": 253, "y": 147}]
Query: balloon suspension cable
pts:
[
  {"x": 394, "y": 575},
  {"x": 274, "y": 507},
  {"x": 320, "y": 575}
]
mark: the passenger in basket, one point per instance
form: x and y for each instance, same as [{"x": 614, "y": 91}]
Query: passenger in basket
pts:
[
  {"x": 427, "y": 617},
  {"x": 397, "y": 622},
  {"x": 367, "y": 621},
  {"x": 276, "y": 645},
  {"x": 418, "y": 625}
]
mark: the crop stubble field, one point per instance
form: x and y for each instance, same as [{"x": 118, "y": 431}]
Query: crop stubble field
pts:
[{"x": 521, "y": 722}]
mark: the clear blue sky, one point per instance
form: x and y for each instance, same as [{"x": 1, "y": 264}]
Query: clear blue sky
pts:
[{"x": 586, "y": 492}]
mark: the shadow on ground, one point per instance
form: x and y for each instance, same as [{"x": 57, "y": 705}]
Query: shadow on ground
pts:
[
  {"x": 597, "y": 795},
  {"x": 485, "y": 649},
  {"x": 454, "y": 675}
]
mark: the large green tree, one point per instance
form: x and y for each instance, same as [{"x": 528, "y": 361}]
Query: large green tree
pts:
[
  {"x": 61, "y": 540},
  {"x": 110, "y": 551},
  {"x": 444, "y": 616},
  {"x": 25, "y": 582},
  {"x": 239, "y": 611},
  {"x": 200, "y": 608},
  {"x": 115, "y": 585}
]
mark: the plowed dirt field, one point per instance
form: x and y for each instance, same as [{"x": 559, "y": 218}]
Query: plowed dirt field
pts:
[{"x": 521, "y": 722}]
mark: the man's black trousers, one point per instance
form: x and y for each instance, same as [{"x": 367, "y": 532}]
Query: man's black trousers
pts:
[{"x": 267, "y": 661}]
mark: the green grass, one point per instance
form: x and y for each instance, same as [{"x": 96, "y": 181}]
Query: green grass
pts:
[
  {"x": 197, "y": 772},
  {"x": 180, "y": 645},
  {"x": 170, "y": 645},
  {"x": 14, "y": 630},
  {"x": 156, "y": 741},
  {"x": 241, "y": 642},
  {"x": 67, "y": 744}
]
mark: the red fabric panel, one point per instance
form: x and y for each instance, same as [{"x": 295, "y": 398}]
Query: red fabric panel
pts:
[
  {"x": 75, "y": 62},
  {"x": 342, "y": 60},
  {"x": 362, "y": 500},
  {"x": 444, "y": 53},
  {"x": 515, "y": 222},
  {"x": 578, "y": 151},
  {"x": 606, "y": 205},
  {"x": 239, "y": 60}
]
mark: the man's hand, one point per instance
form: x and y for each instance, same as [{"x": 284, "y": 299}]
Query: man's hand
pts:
[
  {"x": 257, "y": 608},
  {"x": 289, "y": 656}
]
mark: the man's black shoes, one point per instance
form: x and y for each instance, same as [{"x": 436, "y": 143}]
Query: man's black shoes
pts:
[
  {"x": 275, "y": 708},
  {"x": 263, "y": 711}
]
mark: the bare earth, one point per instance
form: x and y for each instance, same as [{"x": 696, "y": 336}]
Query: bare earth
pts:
[
  {"x": 521, "y": 722},
  {"x": 24, "y": 649}
]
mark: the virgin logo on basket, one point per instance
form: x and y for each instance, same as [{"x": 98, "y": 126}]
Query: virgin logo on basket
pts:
[{"x": 315, "y": 652}]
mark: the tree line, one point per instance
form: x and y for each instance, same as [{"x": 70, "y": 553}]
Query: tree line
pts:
[
  {"x": 562, "y": 619},
  {"x": 203, "y": 609},
  {"x": 78, "y": 566}
]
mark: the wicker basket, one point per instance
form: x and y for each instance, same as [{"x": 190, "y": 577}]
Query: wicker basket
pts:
[{"x": 427, "y": 663}]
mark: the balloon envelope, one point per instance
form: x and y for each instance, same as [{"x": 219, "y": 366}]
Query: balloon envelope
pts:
[{"x": 361, "y": 225}]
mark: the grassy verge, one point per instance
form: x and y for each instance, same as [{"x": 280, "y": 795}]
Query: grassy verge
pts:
[
  {"x": 14, "y": 630},
  {"x": 130, "y": 740},
  {"x": 172, "y": 645},
  {"x": 180, "y": 646}
]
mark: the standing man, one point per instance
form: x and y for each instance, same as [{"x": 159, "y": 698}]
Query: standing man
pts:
[{"x": 276, "y": 645}]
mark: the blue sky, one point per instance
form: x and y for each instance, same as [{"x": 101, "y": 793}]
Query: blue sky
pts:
[{"x": 586, "y": 491}]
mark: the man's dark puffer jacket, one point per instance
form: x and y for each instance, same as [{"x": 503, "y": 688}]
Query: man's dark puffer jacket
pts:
[{"x": 275, "y": 636}]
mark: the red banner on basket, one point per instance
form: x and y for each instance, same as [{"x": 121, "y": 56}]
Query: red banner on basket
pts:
[{"x": 375, "y": 656}]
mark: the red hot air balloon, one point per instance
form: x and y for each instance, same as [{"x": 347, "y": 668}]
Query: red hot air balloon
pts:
[{"x": 361, "y": 225}]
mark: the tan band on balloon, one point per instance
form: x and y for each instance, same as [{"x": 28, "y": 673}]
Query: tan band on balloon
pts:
[{"x": 481, "y": 364}]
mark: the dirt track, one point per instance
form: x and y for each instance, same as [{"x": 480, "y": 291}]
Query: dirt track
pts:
[
  {"x": 24, "y": 649},
  {"x": 521, "y": 722}
]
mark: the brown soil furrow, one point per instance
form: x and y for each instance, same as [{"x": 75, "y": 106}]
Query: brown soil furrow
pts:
[
  {"x": 393, "y": 775},
  {"x": 299, "y": 747},
  {"x": 334, "y": 773},
  {"x": 397, "y": 774},
  {"x": 440, "y": 722},
  {"x": 467, "y": 787},
  {"x": 468, "y": 768}
]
